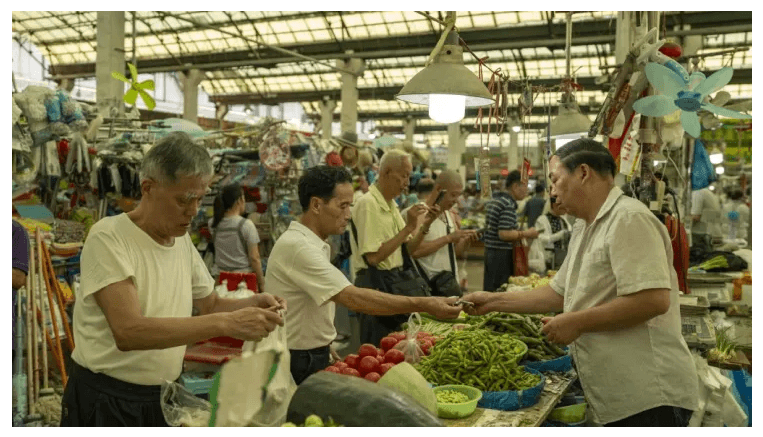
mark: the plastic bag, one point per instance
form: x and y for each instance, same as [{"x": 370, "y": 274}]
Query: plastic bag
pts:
[
  {"x": 182, "y": 408},
  {"x": 255, "y": 389},
  {"x": 410, "y": 346}
]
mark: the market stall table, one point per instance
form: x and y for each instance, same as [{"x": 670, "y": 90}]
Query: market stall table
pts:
[{"x": 556, "y": 386}]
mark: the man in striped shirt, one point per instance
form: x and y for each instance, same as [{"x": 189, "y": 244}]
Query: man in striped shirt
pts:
[{"x": 502, "y": 231}]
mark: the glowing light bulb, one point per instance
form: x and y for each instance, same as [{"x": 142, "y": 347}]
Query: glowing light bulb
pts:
[
  {"x": 516, "y": 128},
  {"x": 447, "y": 108},
  {"x": 716, "y": 158},
  {"x": 720, "y": 170}
]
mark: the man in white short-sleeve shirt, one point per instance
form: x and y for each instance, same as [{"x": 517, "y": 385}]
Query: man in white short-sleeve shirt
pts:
[
  {"x": 617, "y": 293},
  {"x": 444, "y": 240},
  {"x": 706, "y": 217},
  {"x": 141, "y": 279},
  {"x": 300, "y": 271}
]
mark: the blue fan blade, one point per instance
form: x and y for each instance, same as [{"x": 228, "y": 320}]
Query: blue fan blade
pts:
[
  {"x": 690, "y": 123},
  {"x": 655, "y": 106},
  {"x": 723, "y": 111},
  {"x": 716, "y": 81},
  {"x": 664, "y": 79},
  {"x": 696, "y": 78}
]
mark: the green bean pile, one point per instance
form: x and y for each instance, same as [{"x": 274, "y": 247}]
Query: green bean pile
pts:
[
  {"x": 526, "y": 328},
  {"x": 478, "y": 358},
  {"x": 451, "y": 397}
]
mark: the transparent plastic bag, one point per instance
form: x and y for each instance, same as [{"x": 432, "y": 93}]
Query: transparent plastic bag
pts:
[
  {"x": 182, "y": 408},
  {"x": 410, "y": 346}
]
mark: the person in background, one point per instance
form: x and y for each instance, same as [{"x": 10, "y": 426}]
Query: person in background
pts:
[
  {"x": 381, "y": 231},
  {"x": 20, "y": 267},
  {"x": 534, "y": 207},
  {"x": 736, "y": 216},
  {"x": 617, "y": 295},
  {"x": 502, "y": 231},
  {"x": 235, "y": 237},
  {"x": 141, "y": 280},
  {"x": 300, "y": 272},
  {"x": 444, "y": 238},
  {"x": 550, "y": 248},
  {"x": 706, "y": 218}
]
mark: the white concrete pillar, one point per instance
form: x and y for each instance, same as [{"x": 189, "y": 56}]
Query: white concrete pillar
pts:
[
  {"x": 327, "y": 117},
  {"x": 623, "y": 32},
  {"x": 221, "y": 110},
  {"x": 110, "y": 56},
  {"x": 513, "y": 152},
  {"x": 409, "y": 126},
  {"x": 456, "y": 145},
  {"x": 349, "y": 118},
  {"x": 190, "y": 81}
]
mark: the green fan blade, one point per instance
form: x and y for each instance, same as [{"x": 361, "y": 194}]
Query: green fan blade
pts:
[
  {"x": 131, "y": 96},
  {"x": 133, "y": 72},
  {"x": 147, "y": 99},
  {"x": 146, "y": 85},
  {"x": 119, "y": 76}
]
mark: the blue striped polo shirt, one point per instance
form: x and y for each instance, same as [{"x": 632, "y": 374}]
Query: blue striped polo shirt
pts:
[{"x": 501, "y": 216}]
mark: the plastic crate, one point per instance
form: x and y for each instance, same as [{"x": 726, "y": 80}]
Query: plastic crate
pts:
[
  {"x": 197, "y": 383},
  {"x": 212, "y": 353}
]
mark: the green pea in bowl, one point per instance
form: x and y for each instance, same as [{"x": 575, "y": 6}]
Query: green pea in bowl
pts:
[{"x": 452, "y": 409}]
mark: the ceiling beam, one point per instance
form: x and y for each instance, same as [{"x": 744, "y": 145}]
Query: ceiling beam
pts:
[
  {"x": 464, "y": 127},
  {"x": 741, "y": 76},
  {"x": 600, "y": 31},
  {"x": 420, "y": 114}
]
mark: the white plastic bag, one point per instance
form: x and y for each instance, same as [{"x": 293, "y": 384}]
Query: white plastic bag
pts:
[{"x": 256, "y": 389}]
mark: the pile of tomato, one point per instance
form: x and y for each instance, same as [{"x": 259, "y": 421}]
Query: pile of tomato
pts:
[{"x": 372, "y": 363}]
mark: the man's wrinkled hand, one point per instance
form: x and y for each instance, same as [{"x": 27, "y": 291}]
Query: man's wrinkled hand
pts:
[
  {"x": 484, "y": 302},
  {"x": 265, "y": 300},
  {"x": 251, "y": 323},
  {"x": 562, "y": 329},
  {"x": 442, "y": 307}
]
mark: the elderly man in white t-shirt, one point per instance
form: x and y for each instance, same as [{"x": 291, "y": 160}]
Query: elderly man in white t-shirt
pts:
[
  {"x": 617, "y": 293},
  {"x": 300, "y": 271},
  {"x": 141, "y": 279},
  {"x": 443, "y": 238}
]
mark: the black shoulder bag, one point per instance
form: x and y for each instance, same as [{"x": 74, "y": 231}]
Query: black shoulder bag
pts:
[
  {"x": 444, "y": 283},
  {"x": 405, "y": 281}
]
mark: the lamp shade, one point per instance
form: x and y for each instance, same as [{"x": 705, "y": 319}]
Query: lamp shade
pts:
[
  {"x": 570, "y": 121},
  {"x": 446, "y": 75}
]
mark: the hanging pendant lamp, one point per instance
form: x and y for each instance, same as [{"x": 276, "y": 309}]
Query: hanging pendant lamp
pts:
[{"x": 446, "y": 85}]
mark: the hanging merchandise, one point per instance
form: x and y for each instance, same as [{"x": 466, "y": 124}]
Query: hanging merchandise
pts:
[
  {"x": 702, "y": 172},
  {"x": 630, "y": 153},
  {"x": 684, "y": 92},
  {"x": 136, "y": 88}
]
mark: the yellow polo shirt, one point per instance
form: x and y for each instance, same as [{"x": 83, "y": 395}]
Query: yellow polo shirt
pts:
[{"x": 377, "y": 222}]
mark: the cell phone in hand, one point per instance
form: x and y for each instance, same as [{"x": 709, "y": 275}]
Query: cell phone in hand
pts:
[
  {"x": 481, "y": 231},
  {"x": 440, "y": 196}
]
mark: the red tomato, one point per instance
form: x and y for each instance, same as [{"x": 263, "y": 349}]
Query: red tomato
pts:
[
  {"x": 368, "y": 365},
  {"x": 397, "y": 336},
  {"x": 425, "y": 346},
  {"x": 385, "y": 367},
  {"x": 333, "y": 369},
  {"x": 380, "y": 358},
  {"x": 388, "y": 343},
  {"x": 394, "y": 356},
  {"x": 350, "y": 371},
  {"x": 421, "y": 335},
  {"x": 367, "y": 350},
  {"x": 341, "y": 365},
  {"x": 352, "y": 360},
  {"x": 373, "y": 377}
]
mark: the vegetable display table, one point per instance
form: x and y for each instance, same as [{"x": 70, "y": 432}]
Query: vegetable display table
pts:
[{"x": 556, "y": 386}]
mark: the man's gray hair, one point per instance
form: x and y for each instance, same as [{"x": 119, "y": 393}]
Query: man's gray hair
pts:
[
  {"x": 449, "y": 178},
  {"x": 175, "y": 156},
  {"x": 393, "y": 158}
]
